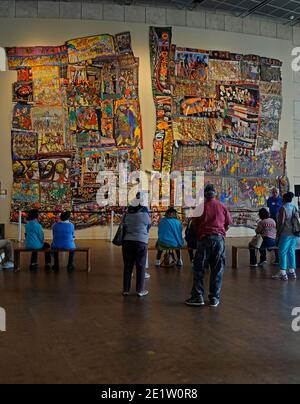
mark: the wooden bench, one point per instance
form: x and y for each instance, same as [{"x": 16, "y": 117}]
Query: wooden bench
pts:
[
  {"x": 235, "y": 252},
  {"x": 20, "y": 250}
]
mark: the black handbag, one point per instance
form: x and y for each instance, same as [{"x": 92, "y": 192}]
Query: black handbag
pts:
[{"x": 119, "y": 237}]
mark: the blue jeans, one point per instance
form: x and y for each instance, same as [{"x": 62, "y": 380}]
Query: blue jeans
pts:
[
  {"x": 287, "y": 252},
  {"x": 267, "y": 244},
  {"x": 210, "y": 251}
]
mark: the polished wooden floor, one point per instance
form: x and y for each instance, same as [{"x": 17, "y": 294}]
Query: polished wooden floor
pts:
[{"x": 78, "y": 328}]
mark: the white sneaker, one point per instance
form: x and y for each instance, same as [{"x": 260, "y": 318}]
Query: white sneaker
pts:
[
  {"x": 180, "y": 263},
  {"x": 8, "y": 265},
  {"x": 157, "y": 263},
  {"x": 147, "y": 275},
  {"x": 143, "y": 293},
  {"x": 280, "y": 276}
]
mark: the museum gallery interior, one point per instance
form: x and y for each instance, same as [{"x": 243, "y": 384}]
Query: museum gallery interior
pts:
[{"x": 149, "y": 105}]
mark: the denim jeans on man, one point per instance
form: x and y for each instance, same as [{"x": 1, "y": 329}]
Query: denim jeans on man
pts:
[{"x": 210, "y": 251}]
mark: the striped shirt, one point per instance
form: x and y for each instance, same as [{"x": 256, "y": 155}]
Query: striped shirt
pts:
[{"x": 267, "y": 228}]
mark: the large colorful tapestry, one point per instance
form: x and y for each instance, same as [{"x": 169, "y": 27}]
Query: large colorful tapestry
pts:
[
  {"x": 219, "y": 112},
  {"x": 75, "y": 112}
]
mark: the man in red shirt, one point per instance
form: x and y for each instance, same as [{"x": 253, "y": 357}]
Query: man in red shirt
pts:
[{"x": 211, "y": 229}]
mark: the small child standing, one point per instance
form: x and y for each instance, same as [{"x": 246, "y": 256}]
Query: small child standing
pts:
[
  {"x": 34, "y": 240},
  {"x": 63, "y": 238}
]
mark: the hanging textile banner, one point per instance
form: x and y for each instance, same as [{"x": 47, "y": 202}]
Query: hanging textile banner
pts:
[
  {"x": 75, "y": 113},
  {"x": 91, "y": 47},
  {"x": 19, "y": 58},
  {"x": 160, "y": 48},
  {"x": 191, "y": 64}
]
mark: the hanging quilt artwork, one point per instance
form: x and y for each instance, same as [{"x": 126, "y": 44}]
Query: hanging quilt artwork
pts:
[
  {"x": 219, "y": 112},
  {"x": 75, "y": 112}
]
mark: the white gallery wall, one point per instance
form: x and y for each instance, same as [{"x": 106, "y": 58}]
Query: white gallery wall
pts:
[{"x": 252, "y": 37}]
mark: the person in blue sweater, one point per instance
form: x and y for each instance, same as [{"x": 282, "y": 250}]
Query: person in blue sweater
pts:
[
  {"x": 275, "y": 203},
  {"x": 170, "y": 236},
  {"x": 34, "y": 240},
  {"x": 63, "y": 238}
]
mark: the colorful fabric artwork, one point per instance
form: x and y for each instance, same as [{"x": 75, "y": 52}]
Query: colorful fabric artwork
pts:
[
  {"x": 55, "y": 194},
  {"x": 264, "y": 143},
  {"x": 269, "y": 128},
  {"x": 197, "y": 130},
  {"x": 108, "y": 85},
  {"x": 76, "y": 112},
  {"x": 47, "y": 86},
  {"x": 24, "y": 74},
  {"x": 200, "y": 107},
  {"x": 26, "y": 170},
  {"x": 160, "y": 48},
  {"x": 250, "y": 68},
  {"x": 83, "y": 118},
  {"x": 83, "y": 49},
  {"x": 123, "y": 43},
  {"x": 18, "y": 58},
  {"x": 82, "y": 95},
  {"x": 51, "y": 143},
  {"x": 91, "y": 74},
  {"x": 271, "y": 70},
  {"x": 270, "y": 88},
  {"x": 205, "y": 89},
  {"x": 254, "y": 192},
  {"x": 47, "y": 119},
  {"x": 87, "y": 139},
  {"x": 224, "y": 70},
  {"x": 24, "y": 145},
  {"x": 26, "y": 192},
  {"x": 241, "y": 114},
  {"x": 227, "y": 189},
  {"x": 22, "y": 117},
  {"x": 269, "y": 162},
  {"x": 167, "y": 151},
  {"x": 22, "y": 92},
  {"x": 271, "y": 106},
  {"x": 55, "y": 170},
  {"x": 127, "y": 123},
  {"x": 191, "y": 64},
  {"x": 77, "y": 73},
  {"x": 128, "y": 82}
]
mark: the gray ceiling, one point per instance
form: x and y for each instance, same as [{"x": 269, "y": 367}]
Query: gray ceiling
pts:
[{"x": 281, "y": 10}]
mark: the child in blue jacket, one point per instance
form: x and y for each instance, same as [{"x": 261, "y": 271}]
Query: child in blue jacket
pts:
[
  {"x": 63, "y": 238},
  {"x": 170, "y": 236},
  {"x": 34, "y": 240}
]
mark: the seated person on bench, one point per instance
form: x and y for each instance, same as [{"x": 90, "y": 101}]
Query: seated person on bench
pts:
[
  {"x": 34, "y": 240},
  {"x": 63, "y": 238},
  {"x": 268, "y": 230},
  {"x": 7, "y": 248},
  {"x": 170, "y": 236}
]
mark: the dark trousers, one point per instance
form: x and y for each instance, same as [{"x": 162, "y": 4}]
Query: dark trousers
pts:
[
  {"x": 134, "y": 254},
  {"x": 210, "y": 251},
  {"x": 267, "y": 244},
  {"x": 34, "y": 255},
  {"x": 70, "y": 262},
  {"x": 191, "y": 254}
]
